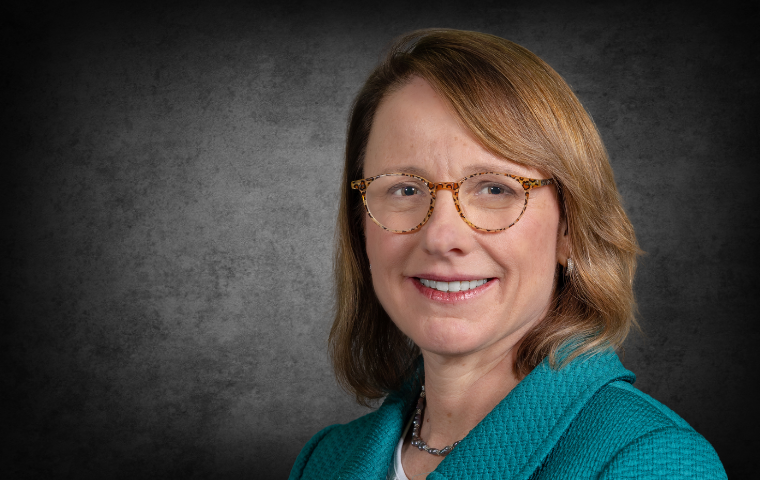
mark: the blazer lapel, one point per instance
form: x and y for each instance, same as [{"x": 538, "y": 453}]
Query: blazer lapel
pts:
[{"x": 374, "y": 450}]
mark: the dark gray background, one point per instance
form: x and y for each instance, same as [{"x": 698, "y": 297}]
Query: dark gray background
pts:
[{"x": 171, "y": 179}]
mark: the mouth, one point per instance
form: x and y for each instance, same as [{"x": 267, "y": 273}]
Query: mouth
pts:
[
  {"x": 452, "y": 292},
  {"x": 455, "y": 286}
]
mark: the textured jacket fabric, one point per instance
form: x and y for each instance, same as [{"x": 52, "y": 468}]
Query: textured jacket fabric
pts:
[{"x": 585, "y": 420}]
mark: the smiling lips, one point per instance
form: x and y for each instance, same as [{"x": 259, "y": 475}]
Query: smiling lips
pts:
[
  {"x": 458, "y": 286},
  {"x": 452, "y": 292}
]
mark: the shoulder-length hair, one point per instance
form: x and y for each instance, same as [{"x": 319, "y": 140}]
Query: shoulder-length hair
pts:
[{"x": 520, "y": 109}]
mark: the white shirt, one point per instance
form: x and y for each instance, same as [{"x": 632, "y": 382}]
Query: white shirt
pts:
[{"x": 396, "y": 470}]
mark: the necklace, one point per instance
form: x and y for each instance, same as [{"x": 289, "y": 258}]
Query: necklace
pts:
[{"x": 417, "y": 422}]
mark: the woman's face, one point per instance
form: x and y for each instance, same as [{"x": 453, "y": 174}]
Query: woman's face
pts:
[{"x": 415, "y": 131}]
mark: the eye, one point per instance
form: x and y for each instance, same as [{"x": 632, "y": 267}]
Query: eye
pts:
[
  {"x": 494, "y": 189},
  {"x": 405, "y": 190}
]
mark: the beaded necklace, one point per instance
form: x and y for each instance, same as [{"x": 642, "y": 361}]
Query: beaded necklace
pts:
[{"x": 417, "y": 422}]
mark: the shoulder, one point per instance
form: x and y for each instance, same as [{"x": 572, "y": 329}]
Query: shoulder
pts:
[
  {"x": 629, "y": 408},
  {"x": 667, "y": 453},
  {"x": 624, "y": 433},
  {"x": 657, "y": 442},
  {"x": 307, "y": 451},
  {"x": 330, "y": 448},
  {"x": 362, "y": 448}
]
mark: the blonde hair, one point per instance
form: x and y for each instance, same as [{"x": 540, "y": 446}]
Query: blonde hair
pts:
[{"x": 521, "y": 109}]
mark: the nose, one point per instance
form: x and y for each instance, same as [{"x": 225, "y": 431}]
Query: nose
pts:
[{"x": 445, "y": 232}]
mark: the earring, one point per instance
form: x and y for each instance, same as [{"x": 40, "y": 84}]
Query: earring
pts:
[
  {"x": 370, "y": 266},
  {"x": 570, "y": 267}
]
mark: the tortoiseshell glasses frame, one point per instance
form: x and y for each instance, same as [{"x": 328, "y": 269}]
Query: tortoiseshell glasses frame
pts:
[{"x": 528, "y": 184}]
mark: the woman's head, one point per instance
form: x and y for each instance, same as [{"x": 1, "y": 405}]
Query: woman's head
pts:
[{"x": 479, "y": 102}]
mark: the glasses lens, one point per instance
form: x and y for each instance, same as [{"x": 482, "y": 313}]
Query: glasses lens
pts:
[
  {"x": 398, "y": 202},
  {"x": 492, "y": 201}
]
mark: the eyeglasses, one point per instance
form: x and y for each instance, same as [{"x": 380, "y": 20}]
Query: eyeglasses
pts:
[{"x": 489, "y": 201}]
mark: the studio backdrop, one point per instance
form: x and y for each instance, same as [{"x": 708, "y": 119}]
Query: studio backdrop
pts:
[{"x": 171, "y": 181}]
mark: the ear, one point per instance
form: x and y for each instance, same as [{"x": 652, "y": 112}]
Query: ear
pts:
[{"x": 563, "y": 242}]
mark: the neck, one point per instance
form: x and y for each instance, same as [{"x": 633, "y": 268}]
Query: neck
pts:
[{"x": 461, "y": 391}]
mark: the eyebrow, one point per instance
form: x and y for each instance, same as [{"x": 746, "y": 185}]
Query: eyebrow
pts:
[
  {"x": 467, "y": 171},
  {"x": 413, "y": 170},
  {"x": 492, "y": 168}
]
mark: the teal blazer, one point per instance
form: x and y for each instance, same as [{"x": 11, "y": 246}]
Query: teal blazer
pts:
[{"x": 585, "y": 420}]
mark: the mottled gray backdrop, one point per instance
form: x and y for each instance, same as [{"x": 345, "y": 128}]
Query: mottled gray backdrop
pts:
[{"x": 170, "y": 181}]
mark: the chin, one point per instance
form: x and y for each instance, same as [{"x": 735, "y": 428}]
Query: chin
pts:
[{"x": 450, "y": 337}]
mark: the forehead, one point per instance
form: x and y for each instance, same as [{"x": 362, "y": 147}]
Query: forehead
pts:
[{"x": 417, "y": 131}]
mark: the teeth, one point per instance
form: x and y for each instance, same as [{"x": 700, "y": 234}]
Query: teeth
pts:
[{"x": 453, "y": 286}]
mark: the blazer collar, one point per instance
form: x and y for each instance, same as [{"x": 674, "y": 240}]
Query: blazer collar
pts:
[
  {"x": 525, "y": 426},
  {"x": 513, "y": 439},
  {"x": 377, "y": 440}
]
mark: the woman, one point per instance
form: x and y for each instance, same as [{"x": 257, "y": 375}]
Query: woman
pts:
[{"x": 484, "y": 276}]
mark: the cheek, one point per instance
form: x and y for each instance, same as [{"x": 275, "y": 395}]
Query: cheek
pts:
[
  {"x": 530, "y": 262},
  {"x": 386, "y": 249},
  {"x": 388, "y": 253},
  {"x": 373, "y": 245},
  {"x": 544, "y": 266},
  {"x": 385, "y": 252}
]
